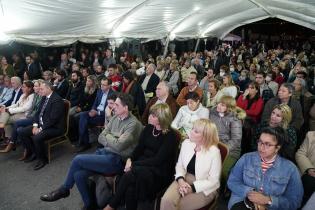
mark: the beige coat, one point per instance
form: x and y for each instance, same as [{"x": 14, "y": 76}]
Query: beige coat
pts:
[
  {"x": 207, "y": 166},
  {"x": 305, "y": 156}
]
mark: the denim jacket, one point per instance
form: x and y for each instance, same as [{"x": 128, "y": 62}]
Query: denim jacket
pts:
[{"x": 281, "y": 182}]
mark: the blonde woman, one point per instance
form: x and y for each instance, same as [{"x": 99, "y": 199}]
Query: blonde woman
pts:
[
  {"x": 228, "y": 88},
  {"x": 228, "y": 119},
  {"x": 196, "y": 183},
  {"x": 149, "y": 169},
  {"x": 280, "y": 116}
]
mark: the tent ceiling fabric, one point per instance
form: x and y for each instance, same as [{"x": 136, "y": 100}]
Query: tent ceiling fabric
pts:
[{"x": 62, "y": 22}]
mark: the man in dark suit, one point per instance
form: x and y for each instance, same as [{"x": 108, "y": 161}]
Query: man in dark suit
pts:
[
  {"x": 96, "y": 116},
  {"x": 32, "y": 70},
  {"x": 49, "y": 122},
  {"x": 149, "y": 81},
  {"x": 61, "y": 84},
  {"x": 16, "y": 84}
]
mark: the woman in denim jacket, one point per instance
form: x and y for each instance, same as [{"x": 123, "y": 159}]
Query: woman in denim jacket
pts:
[{"x": 265, "y": 179}]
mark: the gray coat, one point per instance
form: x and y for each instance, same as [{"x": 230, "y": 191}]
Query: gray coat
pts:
[{"x": 230, "y": 131}]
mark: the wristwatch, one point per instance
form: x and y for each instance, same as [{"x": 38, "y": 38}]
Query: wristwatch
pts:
[{"x": 35, "y": 125}]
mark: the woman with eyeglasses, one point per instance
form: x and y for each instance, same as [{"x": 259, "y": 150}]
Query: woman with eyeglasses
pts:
[{"x": 265, "y": 179}]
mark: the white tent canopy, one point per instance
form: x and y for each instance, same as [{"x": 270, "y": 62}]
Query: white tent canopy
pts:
[{"x": 62, "y": 22}]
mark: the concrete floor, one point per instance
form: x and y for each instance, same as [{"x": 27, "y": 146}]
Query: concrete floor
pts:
[{"x": 21, "y": 186}]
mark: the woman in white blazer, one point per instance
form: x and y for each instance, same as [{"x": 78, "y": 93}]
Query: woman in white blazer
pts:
[
  {"x": 198, "y": 170},
  {"x": 8, "y": 115}
]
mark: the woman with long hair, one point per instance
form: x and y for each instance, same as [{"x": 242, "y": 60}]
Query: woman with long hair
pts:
[
  {"x": 228, "y": 88},
  {"x": 150, "y": 167},
  {"x": 6, "y": 68},
  {"x": 212, "y": 97},
  {"x": 9, "y": 115}
]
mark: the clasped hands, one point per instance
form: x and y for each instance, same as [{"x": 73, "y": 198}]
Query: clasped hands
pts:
[
  {"x": 259, "y": 199},
  {"x": 183, "y": 187}
]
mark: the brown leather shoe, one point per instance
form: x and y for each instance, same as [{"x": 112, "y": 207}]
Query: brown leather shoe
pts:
[
  {"x": 25, "y": 155},
  {"x": 9, "y": 147}
]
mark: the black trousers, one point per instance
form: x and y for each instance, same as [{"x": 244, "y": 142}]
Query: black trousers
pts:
[
  {"x": 239, "y": 206},
  {"x": 309, "y": 186},
  {"x": 36, "y": 143}
]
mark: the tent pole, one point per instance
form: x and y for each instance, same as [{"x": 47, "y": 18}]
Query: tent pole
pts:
[
  {"x": 197, "y": 44},
  {"x": 166, "y": 46}
]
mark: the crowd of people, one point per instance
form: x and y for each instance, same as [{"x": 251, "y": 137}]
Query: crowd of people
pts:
[{"x": 257, "y": 101}]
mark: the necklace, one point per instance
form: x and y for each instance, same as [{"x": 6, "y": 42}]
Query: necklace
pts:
[{"x": 158, "y": 132}]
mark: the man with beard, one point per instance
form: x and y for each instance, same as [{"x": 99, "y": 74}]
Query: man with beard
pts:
[
  {"x": 61, "y": 84},
  {"x": 76, "y": 90}
]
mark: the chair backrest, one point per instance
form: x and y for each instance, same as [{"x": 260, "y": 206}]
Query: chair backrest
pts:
[
  {"x": 67, "y": 105},
  {"x": 224, "y": 150}
]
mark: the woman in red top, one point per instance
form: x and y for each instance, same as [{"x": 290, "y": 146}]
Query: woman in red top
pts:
[
  {"x": 279, "y": 78},
  {"x": 251, "y": 102}
]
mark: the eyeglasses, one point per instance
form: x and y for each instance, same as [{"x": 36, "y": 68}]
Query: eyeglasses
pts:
[{"x": 265, "y": 144}]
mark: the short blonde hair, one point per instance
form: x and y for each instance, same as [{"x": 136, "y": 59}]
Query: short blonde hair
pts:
[
  {"x": 231, "y": 106},
  {"x": 163, "y": 112},
  {"x": 286, "y": 114},
  {"x": 209, "y": 132}
]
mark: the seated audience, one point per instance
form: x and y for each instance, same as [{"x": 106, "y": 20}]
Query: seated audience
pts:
[
  {"x": 61, "y": 84},
  {"x": 243, "y": 80},
  {"x": 149, "y": 81},
  {"x": 192, "y": 86},
  {"x": 268, "y": 88},
  {"x": 114, "y": 76},
  {"x": 130, "y": 86},
  {"x": 119, "y": 139},
  {"x": 186, "y": 70},
  {"x": 172, "y": 78},
  {"x": 228, "y": 88},
  {"x": 280, "y": 116},
  {"x": 49, "y": 122},
  {"x": 150, "y": 166},
  {"x": 32, "y": 70},
  {"x": 24, "y": 121},
  {"x": 110, "y": 108},
  {"x": 305, "y": 98},
  {"x": 196, "y": 183},
  {"x": 162, "y": 96},
  {"x": 189, "y": 113},
  {"x": 159, "y": 71},
  {"x": 16, "y": 85},
  {"x": 212, "y": 96},
  {"x": 94, "y": 116},
  {"x": 85, "y": 104},
  {"x": 204, "y": 83},
  {"x": 251, "y": 102},
  {"x": 285, "y": 93},
  {"x": 7, "y": 91},
  {"x": 48, "y": 76},
  {"x": 305, "y": 159},
  {"x": 278, "y": 76},
  {"x": 9, "y": 115},
  {"x": 6, "y": 69},
  {"x": 266, "y": 179},
  {"x": 76, "y": 90},
  {"x": 228, "y": 119}
]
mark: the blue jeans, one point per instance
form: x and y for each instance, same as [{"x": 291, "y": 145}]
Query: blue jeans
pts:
[
  {"x": 84, "y": 166},
  {"x": 85, "y": 121},
  {"x": 20, "y": 123}
]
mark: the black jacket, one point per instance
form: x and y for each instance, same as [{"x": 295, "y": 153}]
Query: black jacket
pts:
[{"x": 153, "y": 82}]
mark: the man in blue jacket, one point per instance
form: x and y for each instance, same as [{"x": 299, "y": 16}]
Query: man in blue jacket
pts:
[{"x": 96, "y": 116}]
